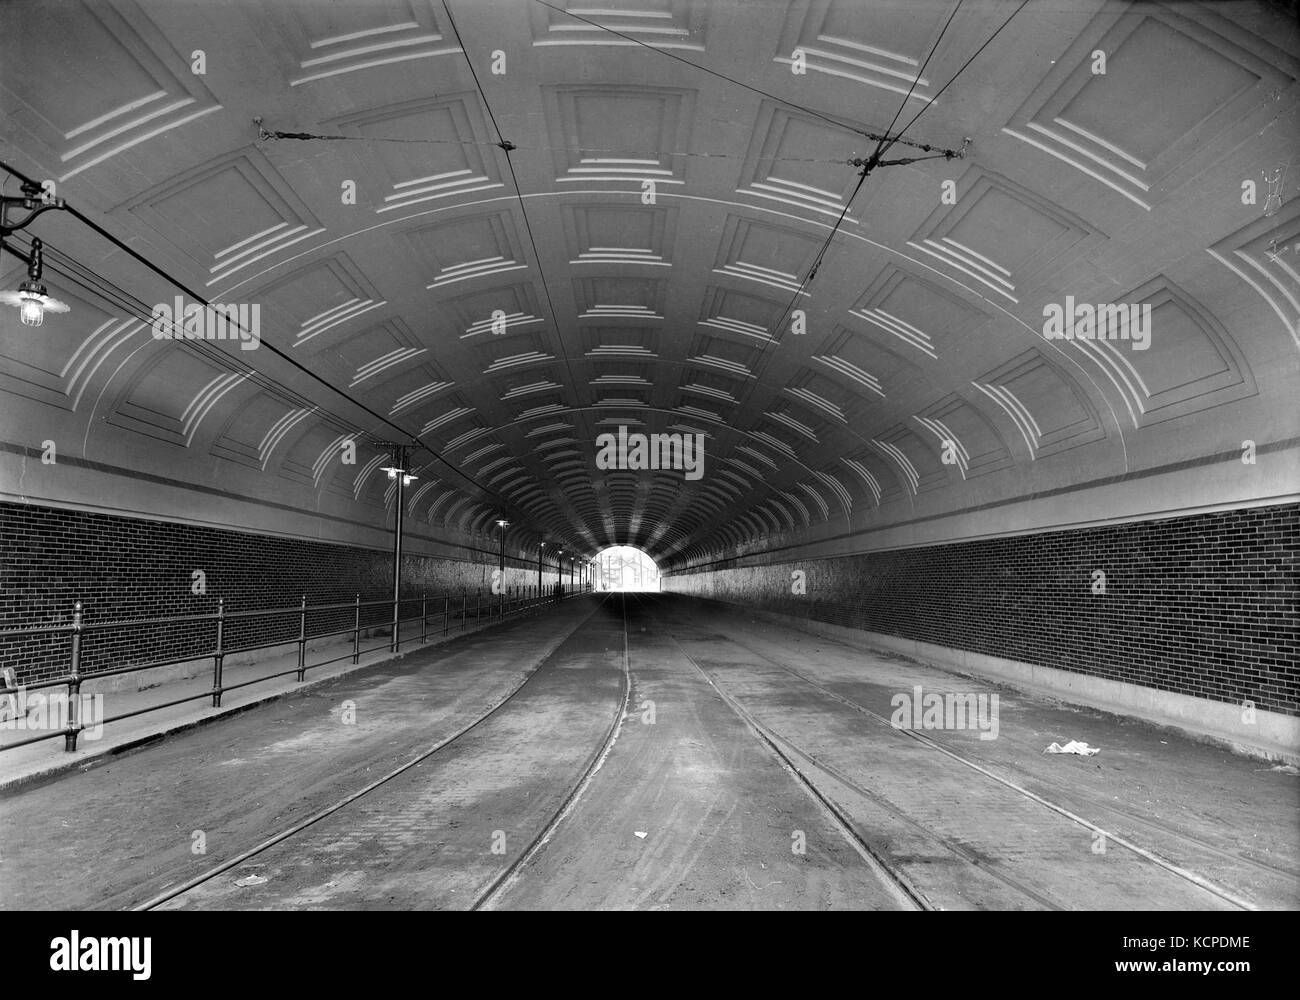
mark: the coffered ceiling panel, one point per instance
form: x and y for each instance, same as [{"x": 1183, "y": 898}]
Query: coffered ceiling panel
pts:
[
  {"x": 136, "y": 87},
  {"x": 616, "y": 234},
  {"x": 410, "y": 171},
  {"x": 880, "y": 46},
  {"x": 319, "y": 41},
  {"x": 496, "y": 239},
  {"x": 915, "y": 315},
  {"x": 322, "y": 302},
  {"x": 619, "y": 133},
  {"x": 1176, "y": 80},
  {"x": 229, "y": 215},
  {"x": 667, "y": 24}
]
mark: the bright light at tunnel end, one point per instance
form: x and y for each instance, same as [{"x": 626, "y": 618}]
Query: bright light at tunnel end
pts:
[{"x": 624, "y": 569}]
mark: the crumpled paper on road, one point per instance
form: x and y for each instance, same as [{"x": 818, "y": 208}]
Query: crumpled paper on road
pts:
[{"x": 1074, "y": 746}]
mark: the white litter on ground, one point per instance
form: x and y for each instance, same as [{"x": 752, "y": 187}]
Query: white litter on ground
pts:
[
  {"x": 252, "y": 880},
  {"x": 640, "y": 833},
  {"x": 1074, "y": 746}
]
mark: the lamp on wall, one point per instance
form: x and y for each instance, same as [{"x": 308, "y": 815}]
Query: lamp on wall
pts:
[{"x": 32, "y": 298}]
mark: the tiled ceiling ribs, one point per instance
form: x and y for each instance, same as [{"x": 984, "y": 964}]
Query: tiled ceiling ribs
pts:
[{"x": 616, "y": 265}]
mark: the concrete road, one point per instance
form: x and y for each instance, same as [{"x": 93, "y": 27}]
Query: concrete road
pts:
[
  {"x": 656, "y": 753},
  {"x": 120, "y": 833}
]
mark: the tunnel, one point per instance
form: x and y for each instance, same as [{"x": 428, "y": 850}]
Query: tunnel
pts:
[{"x": 823, "y": 455}]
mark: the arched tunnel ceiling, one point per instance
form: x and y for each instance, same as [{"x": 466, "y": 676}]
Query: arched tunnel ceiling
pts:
[{"x": 826, "y": 403}]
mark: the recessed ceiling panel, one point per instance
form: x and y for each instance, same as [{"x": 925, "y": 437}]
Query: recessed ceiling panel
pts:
[
  {"x": 423, "y": 151},
  {"x": 229, "y": 215}
]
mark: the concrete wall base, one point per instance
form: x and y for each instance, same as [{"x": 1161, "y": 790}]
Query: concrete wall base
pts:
[{"x": 1271, "y": 735}]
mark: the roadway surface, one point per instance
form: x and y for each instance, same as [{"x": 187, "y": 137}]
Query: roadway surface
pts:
[{"x": 649, "y": 752}]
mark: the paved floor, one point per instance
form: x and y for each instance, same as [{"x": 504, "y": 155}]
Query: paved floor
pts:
[{"x": 654, "y": 753}]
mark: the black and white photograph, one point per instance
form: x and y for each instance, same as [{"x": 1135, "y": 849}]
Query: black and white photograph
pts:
[{"x": 684, "y": 456}]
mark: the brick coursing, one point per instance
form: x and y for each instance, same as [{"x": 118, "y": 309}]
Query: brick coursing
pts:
[
  {"x": 124, "y": 568},
  {"x": 1203, "y": 605}
]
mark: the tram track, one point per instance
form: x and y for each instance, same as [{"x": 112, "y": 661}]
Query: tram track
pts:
[
  {"x": 501, "y": 884},
  {"x": 817, "y": 776},
  {"x": 174, "y": 893},
  {"x": 1185, "y": 874},
  {"x": 905, "y": 891}
]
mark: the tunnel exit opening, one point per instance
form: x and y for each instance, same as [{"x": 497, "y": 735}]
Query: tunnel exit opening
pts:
[{"x": 626, "y": 569}]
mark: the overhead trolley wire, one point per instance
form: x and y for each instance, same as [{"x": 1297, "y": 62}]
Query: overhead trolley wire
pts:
[
  {"x": 868, "y": 165},
  {"x": 65, "y": 264},
  {"x": 413, "y": 439},
  {"x": 265, "y": 133},
  {"x": 987, "y": 42},
  {"x": 883, "y": 146},
  {"x": 508, "y": 147},
  {"x": 731, "y": 79}
]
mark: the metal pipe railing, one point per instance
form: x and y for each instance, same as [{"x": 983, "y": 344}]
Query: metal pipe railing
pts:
[
  {"x": 356, "y": 632},
  {"x": 78, "y": 629},
  {"x": 219, "y": 655},
  {"x": 302, "y": 640},
  {"x": 74, "y": 683}
]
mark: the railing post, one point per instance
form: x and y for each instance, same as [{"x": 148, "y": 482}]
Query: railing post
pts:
[
  {"x": 424, "y": 617},
  {"x": 74, "y": 684},
  {"x": 219, "y": 655},
  {"x": 446, "y": 609},
  {"x": 302, "y": 639},
  {"x": 356, "y": 631}
]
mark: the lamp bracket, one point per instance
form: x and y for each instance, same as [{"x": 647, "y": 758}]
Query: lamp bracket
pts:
[{"x": 33, "y": 199}]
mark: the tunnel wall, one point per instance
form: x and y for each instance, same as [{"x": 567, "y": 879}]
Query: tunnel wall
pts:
[
  {"x": 1202, "y": 605},
  {"x": 124, "y": 568}
]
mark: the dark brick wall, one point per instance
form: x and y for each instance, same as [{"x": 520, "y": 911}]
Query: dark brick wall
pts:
[
  {"x": 124, "y": 568},
  {"x": 1202, "y": 605}
]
